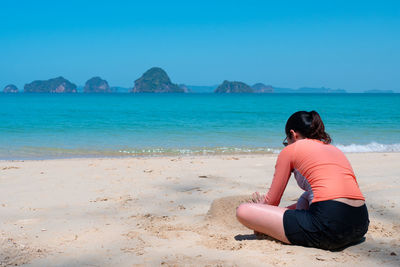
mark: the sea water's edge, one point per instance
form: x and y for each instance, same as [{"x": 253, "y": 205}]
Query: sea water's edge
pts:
[{"x": 44, "y": 153}]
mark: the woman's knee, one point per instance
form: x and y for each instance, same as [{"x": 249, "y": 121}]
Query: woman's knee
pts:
[{"x": 242, "y": 212}]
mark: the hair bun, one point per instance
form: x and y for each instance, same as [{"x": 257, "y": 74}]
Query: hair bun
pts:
[{"x": 309, "y": 124}]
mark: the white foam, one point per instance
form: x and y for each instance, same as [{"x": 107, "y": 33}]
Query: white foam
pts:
[
  {"x": 371, "y": 147},
  {"x": 352, "y": 148},
  {"x": 276, "y": 150}
]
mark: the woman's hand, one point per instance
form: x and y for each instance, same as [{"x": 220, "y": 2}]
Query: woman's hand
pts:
[{"x": 258, "y": 198}]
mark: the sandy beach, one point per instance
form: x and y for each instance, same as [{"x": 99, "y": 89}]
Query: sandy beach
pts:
[{"x": 172, "y": 211}]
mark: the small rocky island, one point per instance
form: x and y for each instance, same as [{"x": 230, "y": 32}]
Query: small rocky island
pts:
[
  {"x": 97, "y": 85},
  {"x": 11, "y": 88},
  {"x": 262, "y": 88},
  {"x": 56, "y": 85},
  {"x": 234, "y": 87},
  {"x": 156, "y": 80}
]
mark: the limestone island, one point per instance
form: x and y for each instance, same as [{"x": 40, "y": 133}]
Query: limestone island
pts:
[
  {"x": 55, "y": 85},
  {"x": 156, "y": 80},
  {"x": 11, "y": 88},
  {"x": 234, "y": 87},
  {"x": 97, "y": 85}
]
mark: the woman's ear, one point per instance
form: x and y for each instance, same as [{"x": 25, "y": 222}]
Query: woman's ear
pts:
[{"x": 295, "y": 136}]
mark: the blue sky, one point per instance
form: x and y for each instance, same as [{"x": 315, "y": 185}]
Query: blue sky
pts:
[{"x": 353, "y": 45}]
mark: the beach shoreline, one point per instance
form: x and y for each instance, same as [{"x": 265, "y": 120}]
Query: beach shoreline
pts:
[
  {"x": 172, "y": 211},
  {"x": 183, "y": 156}
]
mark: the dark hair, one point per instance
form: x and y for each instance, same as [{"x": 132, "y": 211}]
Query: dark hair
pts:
[{"x": 309, "y": 125}]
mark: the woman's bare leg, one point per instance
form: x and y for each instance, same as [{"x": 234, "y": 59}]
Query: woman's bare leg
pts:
[{"x": 263, "y": 218}]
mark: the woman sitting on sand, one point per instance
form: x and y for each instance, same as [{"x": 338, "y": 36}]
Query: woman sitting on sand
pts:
[{"x": 331, "y": 213}]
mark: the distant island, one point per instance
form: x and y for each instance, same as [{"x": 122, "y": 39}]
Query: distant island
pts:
[
  {"x": 113, "y": 89},
  {"x": 240, "y": 87},
  {"x": 233, "y": 87},
  {"x": 201, "y": 88},
  {"x": 379, "y": 92},
  {"x": 97, "y": 85},
  {"x": 156, "y": 80},
  {"x": 309, "y": 90},
  {"x": 11, "y": 88},
  {"x": 56, "y": 85},
  {"x": 262, "y": 88},
  {"x": 120, "y": 89},
  {"x": 185, "y": 88}
]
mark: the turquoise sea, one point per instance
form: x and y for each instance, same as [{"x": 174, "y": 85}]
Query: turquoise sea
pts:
[{"x": 41, "y": 126}]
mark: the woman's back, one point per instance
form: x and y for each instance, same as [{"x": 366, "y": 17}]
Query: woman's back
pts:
[
  {"x": 327, "y": 170},
  {"x": 324, "y": 166}
]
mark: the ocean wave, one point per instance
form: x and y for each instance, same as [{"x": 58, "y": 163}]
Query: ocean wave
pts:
[
  {"x": 29, "y": 152},
  {"x": 197, "y": 151},
  {"x": 53, "y": 152},
  {"x": 371, "y": 147}
]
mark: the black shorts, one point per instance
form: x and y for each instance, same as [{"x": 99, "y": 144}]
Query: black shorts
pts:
[{"x": 327, "y": 224}]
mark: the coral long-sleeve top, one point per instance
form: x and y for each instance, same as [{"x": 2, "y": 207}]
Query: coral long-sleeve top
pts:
[{"x": 324, "y": 168}]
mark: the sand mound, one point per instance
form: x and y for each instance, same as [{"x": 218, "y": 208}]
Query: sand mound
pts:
[
  {"x": 223, "y": 211},
  {"x": 13, "y": 253}
]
